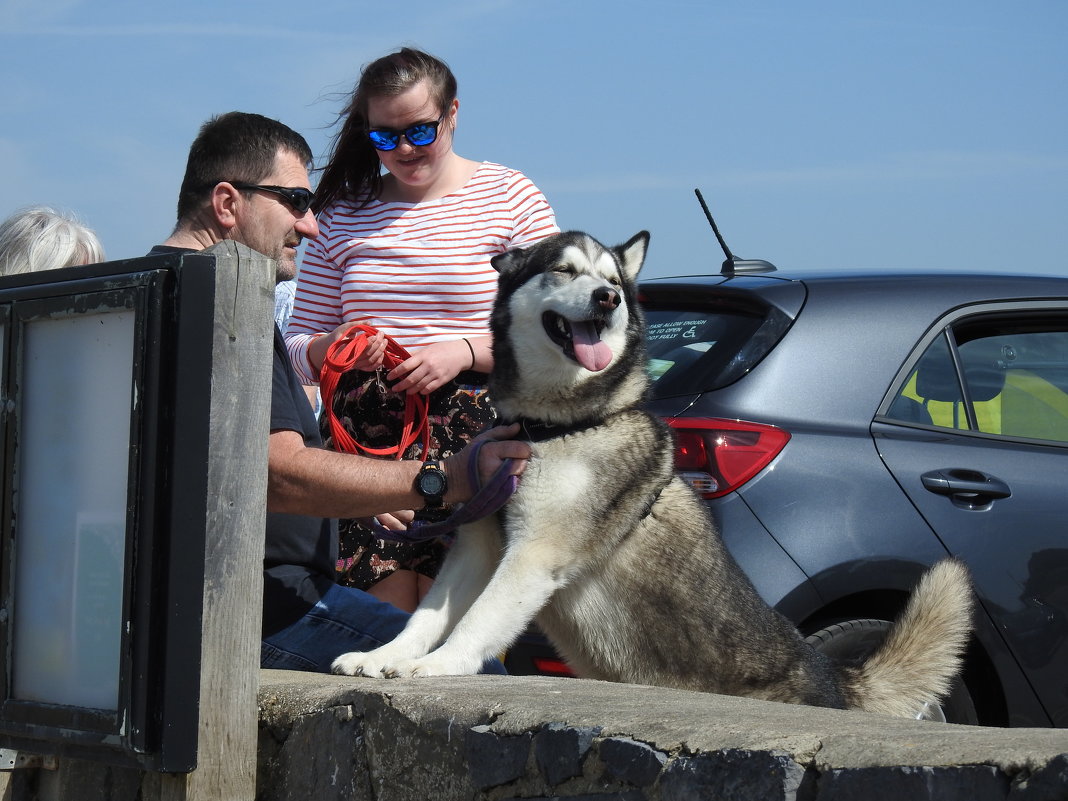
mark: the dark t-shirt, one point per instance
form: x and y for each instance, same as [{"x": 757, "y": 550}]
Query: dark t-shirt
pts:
[{"x": 300, "y": 552}]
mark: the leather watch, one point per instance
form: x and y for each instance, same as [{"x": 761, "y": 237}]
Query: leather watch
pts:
[{"x": 431, "y": 483}]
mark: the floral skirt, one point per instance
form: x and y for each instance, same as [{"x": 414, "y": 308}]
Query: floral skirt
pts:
[{"x": 374, "y": 416}]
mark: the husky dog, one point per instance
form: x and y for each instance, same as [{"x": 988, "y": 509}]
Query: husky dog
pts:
[{"x": 616, "y": 556}]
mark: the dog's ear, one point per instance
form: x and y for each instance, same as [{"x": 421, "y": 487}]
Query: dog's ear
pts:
[
  {"x": 509, "y": 260},
  {"x": 631, "y": 255}
]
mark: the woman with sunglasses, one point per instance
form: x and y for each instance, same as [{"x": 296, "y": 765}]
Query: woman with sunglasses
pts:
[{"x": 408, "y": 252}]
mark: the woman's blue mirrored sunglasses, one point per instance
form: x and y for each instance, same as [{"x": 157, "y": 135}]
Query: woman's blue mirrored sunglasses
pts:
[{"x": 418, "y": 135}]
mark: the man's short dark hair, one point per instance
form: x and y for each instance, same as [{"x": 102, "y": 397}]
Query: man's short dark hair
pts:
[{"x": 235, "y": 146}]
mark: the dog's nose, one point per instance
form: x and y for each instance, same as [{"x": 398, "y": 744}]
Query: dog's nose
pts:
[{"x": 606, "y": 298}]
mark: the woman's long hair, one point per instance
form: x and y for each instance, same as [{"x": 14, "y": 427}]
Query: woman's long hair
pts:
[{"x": 354, "y": 169}]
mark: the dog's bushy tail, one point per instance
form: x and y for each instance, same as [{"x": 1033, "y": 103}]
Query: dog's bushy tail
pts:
[{"x": 923, "y": 652}]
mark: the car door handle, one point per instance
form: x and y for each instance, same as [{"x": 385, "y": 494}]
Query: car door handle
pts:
[{"x": 968, "y": 486}]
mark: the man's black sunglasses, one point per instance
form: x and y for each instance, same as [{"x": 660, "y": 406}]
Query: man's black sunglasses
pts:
[{"x": 298, "y": 197}]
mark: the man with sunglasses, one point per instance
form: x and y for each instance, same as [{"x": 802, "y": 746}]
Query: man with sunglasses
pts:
[{"x": 247, "y": 180}]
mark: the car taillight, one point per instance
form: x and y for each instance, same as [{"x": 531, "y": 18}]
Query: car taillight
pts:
[
  {"x": 719, "y": 456},
  {"x": 552, "y": 667}
]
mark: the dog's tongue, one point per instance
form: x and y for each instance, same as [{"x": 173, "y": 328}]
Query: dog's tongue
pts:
[{"x": 590, "y": 351}]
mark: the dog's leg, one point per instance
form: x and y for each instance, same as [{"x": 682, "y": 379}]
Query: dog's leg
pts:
[
  {"x": 465, "y": 573},
  {"x": 537, "y": 561},
  {"x": 526, "y": 578}
]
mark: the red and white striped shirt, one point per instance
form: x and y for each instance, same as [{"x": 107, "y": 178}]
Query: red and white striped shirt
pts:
[{"x": 420, "y": 272}]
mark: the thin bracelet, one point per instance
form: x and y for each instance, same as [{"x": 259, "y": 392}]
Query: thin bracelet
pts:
[{"x": 472, "y": 367}]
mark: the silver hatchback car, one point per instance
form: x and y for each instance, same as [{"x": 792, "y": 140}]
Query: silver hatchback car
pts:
[{"x": 848, "y": 429}]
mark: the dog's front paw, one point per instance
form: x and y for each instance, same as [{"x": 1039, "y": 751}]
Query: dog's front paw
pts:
[
  {"x": 357, "y": 663},
  {"x": 376, "y": 663},
  {"x": 433, "y": 664}
]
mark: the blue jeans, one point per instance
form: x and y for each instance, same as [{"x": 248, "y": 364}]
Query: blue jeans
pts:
[{"x": 345, "y": 619}]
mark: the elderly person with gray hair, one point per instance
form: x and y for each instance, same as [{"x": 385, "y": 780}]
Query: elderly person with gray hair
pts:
[{"x": 40, "y": 238}]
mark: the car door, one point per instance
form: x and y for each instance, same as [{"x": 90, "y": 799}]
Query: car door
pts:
[{"x": 976, "y": 433}]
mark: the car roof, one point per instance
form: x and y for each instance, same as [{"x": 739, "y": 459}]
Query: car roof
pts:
[
  {"x": 1057, "y": 284},
  {"x": 854, "y": 332}
]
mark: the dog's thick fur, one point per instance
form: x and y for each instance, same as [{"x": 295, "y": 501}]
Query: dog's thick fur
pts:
[{"x": 615, "y": 555}]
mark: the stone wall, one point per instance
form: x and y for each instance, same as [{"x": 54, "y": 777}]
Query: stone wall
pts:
[
  {"x": 498, "y": 738},
  {"x": 495, "y": 737}
]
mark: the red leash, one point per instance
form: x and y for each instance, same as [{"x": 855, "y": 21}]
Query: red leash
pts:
[{"x": 341, "y": 357}]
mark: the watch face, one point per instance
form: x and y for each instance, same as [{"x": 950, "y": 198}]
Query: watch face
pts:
[{"x": 431, "y": 482}]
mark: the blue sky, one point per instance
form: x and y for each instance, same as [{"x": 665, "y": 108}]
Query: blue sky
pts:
[{"x": 927, "y": 133}]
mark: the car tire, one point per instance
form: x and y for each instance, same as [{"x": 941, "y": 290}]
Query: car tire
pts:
[{"x": 852, "y": 641}]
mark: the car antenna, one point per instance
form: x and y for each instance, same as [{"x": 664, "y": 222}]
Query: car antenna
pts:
[{"x": 732, "y": 264}]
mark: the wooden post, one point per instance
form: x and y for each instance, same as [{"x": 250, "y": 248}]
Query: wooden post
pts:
[{"x": 236, "y": 509}]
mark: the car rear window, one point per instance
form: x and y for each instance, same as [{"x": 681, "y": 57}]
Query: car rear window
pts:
[{"x": 697, "y": 350}]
